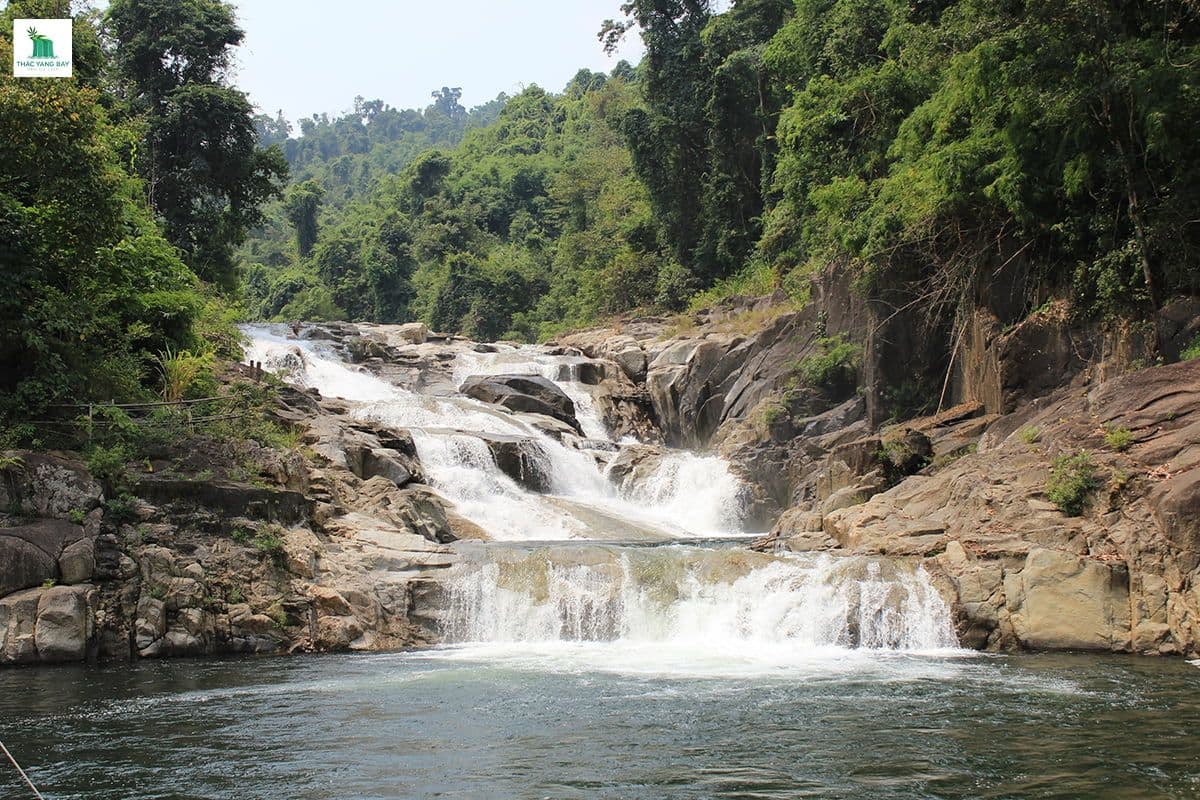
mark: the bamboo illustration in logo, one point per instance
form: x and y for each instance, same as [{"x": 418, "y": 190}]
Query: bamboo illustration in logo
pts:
[{"x": 42, "y": 47}]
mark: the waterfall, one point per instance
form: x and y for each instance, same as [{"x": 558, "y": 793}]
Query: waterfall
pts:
[
  {"x": 715, "y": 599},
  {"x": 692, "y": 496}
]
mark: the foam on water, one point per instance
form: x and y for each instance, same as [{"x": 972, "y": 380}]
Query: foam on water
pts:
[{"x": 690, "y": 611}]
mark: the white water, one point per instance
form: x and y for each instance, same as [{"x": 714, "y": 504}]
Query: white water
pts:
[
  {"x": 691, "y": 611},
  {"x": 692, "y": 496}
]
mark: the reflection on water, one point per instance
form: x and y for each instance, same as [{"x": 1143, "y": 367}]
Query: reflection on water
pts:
[{"x": 452, "y": 723}]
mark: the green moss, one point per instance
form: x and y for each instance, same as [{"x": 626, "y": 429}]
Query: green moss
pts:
[{"x": 1030, "y": 435}]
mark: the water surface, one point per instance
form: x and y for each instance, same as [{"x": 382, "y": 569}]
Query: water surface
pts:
[{"x": 566, "y": 720}]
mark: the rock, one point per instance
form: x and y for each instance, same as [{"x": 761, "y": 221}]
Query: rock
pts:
[
  {"x": 412, "y": 332},
  {"x": 77, "y": 564},
  {"x": 337, "y": 633},
  {"x": 1060, "y": 601},
  {"x": 18, "y": 619},
  {"x": 528, "y": 393},
  {"x": 64, "y": 623},
  {"x": 23, "y": 565},
  {"x": 521, "y": 459},
  {"x": 330, "y": 602},
  {"x": 183, "y": 593},
  {"x": 150, "y": 624},
  {"x": 227, "y": 498},
  {"x": 49, "y": 486},
  {"x": 632, "y": 361}
]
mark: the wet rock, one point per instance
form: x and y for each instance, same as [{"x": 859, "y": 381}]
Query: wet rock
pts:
[
  {"x": 527, "y": 393},
  {"x": 521, "y": 459}
]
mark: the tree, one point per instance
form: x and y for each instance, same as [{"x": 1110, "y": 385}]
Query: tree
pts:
[
  {"x": 301, "y": 203},
  {"x": 205, "y": 174}
]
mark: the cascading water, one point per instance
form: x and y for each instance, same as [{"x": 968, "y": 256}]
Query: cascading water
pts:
[
  {"x": 696, "y": 496},
  {"x": 670, "y": 605},
  {"x": 719, "y": 599}
]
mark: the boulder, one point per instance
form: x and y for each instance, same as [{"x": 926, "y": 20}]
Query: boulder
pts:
[
  {"x": 150, "y": 624},
  {"x": 49, "y": 486},
  {"x": 412, "y": 332},
  {"x": 64, "y": 623},
  {"x": 1061, "y": 601},
  {"x": 23, "y": 565},
  {"x": 521, "y": 459},
  {"x": 77, "y": 564},
  {"x": 18, "y": 620},
  {"x": 527, "y": 393}
]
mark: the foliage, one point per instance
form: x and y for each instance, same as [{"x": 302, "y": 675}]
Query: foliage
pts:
[
  {"x": 180, "y": 371},
  {"x": 1118, "y": 438},
  {"x": 1030, "y": 434},
  {"x": 1071, "y": 482},
  {"x": 834, "y": 366},
  {"x": 206, "y": 175},
  {"x": 1191, "y": 351}
]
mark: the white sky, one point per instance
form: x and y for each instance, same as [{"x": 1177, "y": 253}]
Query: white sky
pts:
[{"x": 305, "y": 56}]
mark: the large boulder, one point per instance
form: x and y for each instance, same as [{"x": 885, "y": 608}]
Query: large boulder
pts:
[
  {"x": 64, "y": 623},
  {"x": 48, "y": 485},
  {"x": 1061, "y": 601},
  {"x": 527, "y": 393},
  {"x": 23, "y": 565}
]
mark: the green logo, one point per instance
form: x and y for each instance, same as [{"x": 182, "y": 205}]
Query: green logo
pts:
[{"x": 42, "y": 46}]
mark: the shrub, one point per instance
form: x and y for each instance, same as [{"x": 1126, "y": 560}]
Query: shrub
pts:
[
  {"x": 180, "y": 370},
  {"x": 107, "y": 464},
  {"x": 1030, "y": 435},
  {"x": 1072, "y": 481},
  {"x": 120, "y": 508},
  {"x": 1118, "y": 438},
  {"x": 1192, "y": 350},
  {"x": 834, "y": 367},
  {"x": 76, "y": 516}
]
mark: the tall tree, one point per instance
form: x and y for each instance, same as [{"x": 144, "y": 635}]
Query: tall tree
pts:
[
  {"x": 206, "y": 176},
  {"x": 301, "y": 203}
]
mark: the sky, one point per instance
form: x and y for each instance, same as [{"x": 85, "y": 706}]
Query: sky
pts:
[{"x": 305, "y": 57}]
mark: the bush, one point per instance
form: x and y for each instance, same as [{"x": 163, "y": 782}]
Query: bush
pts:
[
  {"x": 1030, "y": 434},
  {"x": 1118, "y": 438},
  {"x": 1072, "y": 481},
  {"x": 1191, "y": 351},
  {"x": 107, "y": 464},
  {"x": 834, "y": 367}
]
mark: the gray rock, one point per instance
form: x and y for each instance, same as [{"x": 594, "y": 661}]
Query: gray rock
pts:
[
  {"x": 77, "y": 564},
  {"x": 64, "y": 623},
  {"x": 50, "y": 486},
  {"x": 151, "y": 622},
  {"x": 23, "y": 565},
  {"x": 18, "y": 619},
  {"x": 528, "y": 393}
]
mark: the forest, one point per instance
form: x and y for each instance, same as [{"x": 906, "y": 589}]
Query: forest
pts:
[{"x": 912, "y": 146}]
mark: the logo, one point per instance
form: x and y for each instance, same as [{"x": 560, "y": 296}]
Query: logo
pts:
[{"x": 41, "y": 48}]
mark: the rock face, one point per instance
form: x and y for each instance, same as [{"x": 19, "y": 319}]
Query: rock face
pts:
[
  {"x": 531, "y": 394},
  {"x": 1021, "y": 573}
]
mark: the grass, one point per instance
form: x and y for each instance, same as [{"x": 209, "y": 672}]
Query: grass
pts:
[
  {"x": 758, "y": 280},
  {"x": 1030, "y": 435},
  {"x": 1071, "y": 483},
  {"x": 1118, "y": 438}
]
